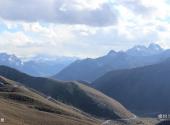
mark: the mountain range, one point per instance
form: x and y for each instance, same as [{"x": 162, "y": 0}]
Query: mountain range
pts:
[
  {"x": 90, "y": 69},
  {"x": 137, "y": 78},
  {"x": 142, "y": 90},
  {"x": 38, "y": 65},
  {"x": 20, "y": 104}
]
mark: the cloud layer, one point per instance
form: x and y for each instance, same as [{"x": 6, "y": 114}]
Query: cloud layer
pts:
[
  {"x": 80, "y": 27},
  {"x": 60, "y": 11}
]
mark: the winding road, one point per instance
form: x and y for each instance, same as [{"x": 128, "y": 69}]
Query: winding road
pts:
[{"x": 109, "y": 122}]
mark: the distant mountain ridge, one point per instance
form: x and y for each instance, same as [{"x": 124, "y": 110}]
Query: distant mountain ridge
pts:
[
  {"x": 38, "y": 66},
  {"x": 140, "y": 50},
  {"x": 10, "y": 60},
  {"x": 91, "y": 69}
]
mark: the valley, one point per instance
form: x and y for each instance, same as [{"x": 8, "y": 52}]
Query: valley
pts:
[{"x": 19, "y": 104}]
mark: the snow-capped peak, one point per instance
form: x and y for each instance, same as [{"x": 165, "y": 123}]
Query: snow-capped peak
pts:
[{"x": 141, "y": 50}]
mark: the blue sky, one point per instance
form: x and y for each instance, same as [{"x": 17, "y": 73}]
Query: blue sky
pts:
[{"x": 81, "y": 28}]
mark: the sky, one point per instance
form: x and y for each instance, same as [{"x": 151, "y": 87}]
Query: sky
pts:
[{"x": 81, "y": 28}]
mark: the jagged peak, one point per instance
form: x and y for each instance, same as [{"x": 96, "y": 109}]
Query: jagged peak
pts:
[
  {"x": 111, "y": 52},
  {"x": 155, "y": 46}
]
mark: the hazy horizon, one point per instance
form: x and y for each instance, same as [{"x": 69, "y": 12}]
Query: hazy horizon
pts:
[{"x": 46, "y": 57}]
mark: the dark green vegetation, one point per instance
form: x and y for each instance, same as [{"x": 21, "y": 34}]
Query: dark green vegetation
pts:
[
  {"x": 73, "y": 93},
  {"x": 144, "y": 91}
]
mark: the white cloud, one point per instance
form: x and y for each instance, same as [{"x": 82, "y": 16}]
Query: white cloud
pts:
[
  {"x": 83, "y": 4},
  {"x": 93, "y": 13}
]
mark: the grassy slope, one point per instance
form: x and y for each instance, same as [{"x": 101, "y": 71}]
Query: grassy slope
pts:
[
  {"x": 106, "y": 101},
  {"x": 73, "y": 93},
  {"x": 20, "y": 105}
]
